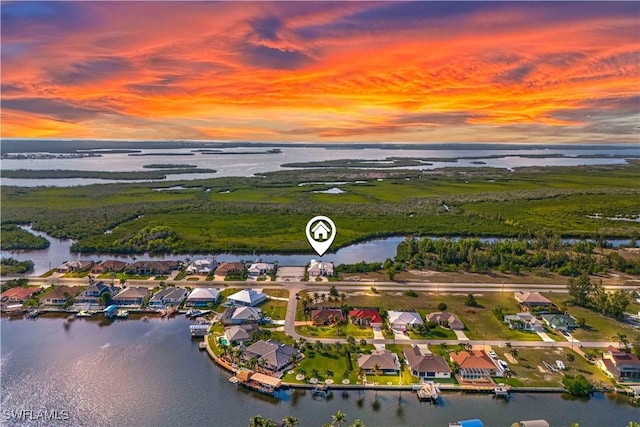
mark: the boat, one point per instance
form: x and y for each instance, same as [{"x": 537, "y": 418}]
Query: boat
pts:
[
  {"x": 172, "y": 311},
  {"x": 197, "y": 313},
  {"x": 468, "y": 423},
  {"x": 83, "y": 313},
  {"x": 560, "y": 365},
  {"x": 428, "y": 391},
  {"x": 110, "y": 312},
  {"x": 71, "y": 317},
  {"x": 502, "y": 390},
  {"x": 32, "y": 314},
  {"x": 122, "y": 314}
]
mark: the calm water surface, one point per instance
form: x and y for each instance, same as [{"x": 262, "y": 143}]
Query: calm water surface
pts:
[
  {"x": 135, "y": 373},
  {"x": 445, "y": 155}
]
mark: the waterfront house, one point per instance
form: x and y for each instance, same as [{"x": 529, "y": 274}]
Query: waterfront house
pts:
[
  {"x": 474, "y": 360},
  {"x": 168, "y": 296},
  {"x": 227, "y": 268},
  {"x": 152, "y": 268},
  {"x": 203, "y": 266},
  {"x": 559, "y": 322},
  {"x": 241, "y": 314},
  {"x": 386, "y": 361},
  {"x": 529, "y": 300},
  {"x": 274, "y": 355},
  {"x": 201, "y": 297},
  {"x": 327, "y": 316},
  {"x": 59, "y": 295},
  {"x": 109, "y": 266},
  {"x": 238, "y": 334},
  {"x": 448, "y": 320},
  {"x": 426, "y": 365},
  {"x": 94, "y": 291},
  {"x": 620, "y": 365},
  {"x": 74, "y": 266},
  {"x": 524, "y": 321},
  {"x": 248, "y": 297},
  {"x": 320, "y": 268},
  {"x": 19, "y": 295},
  {"x": 365, "y": 317},
  {"x": 403, "y": 320},
  {"x": 259, "y": 268},
  {"x": 131, "y": 296}
]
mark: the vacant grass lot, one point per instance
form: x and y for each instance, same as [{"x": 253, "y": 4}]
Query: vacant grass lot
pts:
[
  {"x": 349, "y": 330},
  {"x": 275, "y": 309},
  {"x": 597, "y": 327},
  {"x": 527, "y": 373}
]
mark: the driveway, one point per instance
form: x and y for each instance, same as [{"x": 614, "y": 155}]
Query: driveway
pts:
[
  {"x": 545, "y": 337},
  {"x": 399, "y": 335},
  {"x": 461, "y": 336}
]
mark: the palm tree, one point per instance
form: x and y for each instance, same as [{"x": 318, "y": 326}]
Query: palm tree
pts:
[
  {"x": 377, "y": 370},
  {"x": 621, "y": 339},
  {"x": 328, "y": 373},
  {"x": 317, "y": 346},
  {"x": 295, "y": 359},
  {"x": 514, "y": 352},
  {"x": 260, "y": 421},
  {"x": 316, "y": 297},
  {"x": 343, "y": 296},
  {"x": 357, "y": 423},
  {"x": 290, "y": 421},
  {"x": 338, "y": 418}
]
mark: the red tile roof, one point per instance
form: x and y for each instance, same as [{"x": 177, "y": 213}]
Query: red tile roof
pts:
[
  {"x": 473, "y": 359},
  {"x": 366, "y": 313},
  {"x": 19, "y": 293}
]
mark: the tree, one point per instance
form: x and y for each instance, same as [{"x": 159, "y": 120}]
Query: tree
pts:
[
  {"x": 470, "y": 301},
  {"x": 622, "y": 340},
  {"x": 260, "y": 421},
  {"x": 338, "y": 418},
  {"x": 442, "y": 306},
  {"x": 358, "y": 423},
  {"x": 328, "y": 373},
  {"x": 376, "y": 370},
  {"x": 290, "y": 421},
  {"x": 577, "y": 386},
  {"x": 580, "y": 290},
  {"x": 514, "y": 352},
  {"x": 570, "y": 357}
]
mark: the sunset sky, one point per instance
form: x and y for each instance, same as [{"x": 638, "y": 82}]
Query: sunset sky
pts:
[{"x": 426, "y": 72}]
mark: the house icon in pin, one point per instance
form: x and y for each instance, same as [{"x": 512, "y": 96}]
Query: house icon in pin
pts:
[{"x": 320, "y": 231}]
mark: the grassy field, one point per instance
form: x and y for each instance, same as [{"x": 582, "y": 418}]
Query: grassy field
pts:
[
  {"x": 269, "y": 213},
  {"x": 597, "y": 326},
  {"x": 275, "y": 309},
  {"x": 528, "y": 374},
  {"x": 349, "y": 330}
]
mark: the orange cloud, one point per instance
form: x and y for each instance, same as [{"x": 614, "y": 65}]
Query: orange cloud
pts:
[{"x": 321, "y": 71}]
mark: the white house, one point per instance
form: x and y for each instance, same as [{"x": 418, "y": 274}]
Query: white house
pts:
[
  {"x": 259, "y": 268},
  {"x": 403, "y": 320},
  {"x": 320, "y": 268},
  {"x": 201, "y": 297},
  {"x": 524, "y": 321},
  {"x": 242, "y": 314},
  {"x": 202, "y": 266},
  {"x": 248, "y": 297}
]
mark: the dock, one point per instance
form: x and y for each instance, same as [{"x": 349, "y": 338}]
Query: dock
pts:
[
  {"x": 428, "y": 392},
  {"x": 502, "y": 390},
  {"x": 321, "y": 391}
]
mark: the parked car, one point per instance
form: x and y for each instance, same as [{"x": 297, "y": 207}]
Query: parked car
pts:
[{"x": 493, "y": 354}]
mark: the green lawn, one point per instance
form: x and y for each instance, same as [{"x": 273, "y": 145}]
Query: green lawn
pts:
[
  {"x": 275, "y": 309},
  {"x": 349, "y": 330},
  {"x": 330, "y": 360},
  {"x": 597, "y": 327},
  {"x": 437, "y": 333},
  {"x": 527, "y": 373}
]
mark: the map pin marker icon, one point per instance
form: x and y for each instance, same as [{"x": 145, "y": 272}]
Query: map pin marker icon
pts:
[{"x": 321, "y": 232}]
